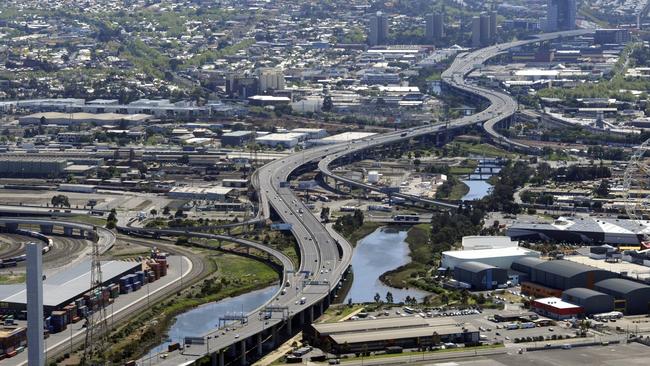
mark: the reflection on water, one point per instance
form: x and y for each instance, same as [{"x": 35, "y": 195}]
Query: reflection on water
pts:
[
  {"x": 477, "y": 189},
  {"x": 381, "y": 251},
  {"x": 202, "y": 319}
]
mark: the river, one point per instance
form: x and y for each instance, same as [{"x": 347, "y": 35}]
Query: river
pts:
[
  {"x": 477, "y": 189},
  {"x": 200, "y": 320},
  {"x": 383, "y": 250}
]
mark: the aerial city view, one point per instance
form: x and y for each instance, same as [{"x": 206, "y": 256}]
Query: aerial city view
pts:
[{"x": 324, "y": 182}]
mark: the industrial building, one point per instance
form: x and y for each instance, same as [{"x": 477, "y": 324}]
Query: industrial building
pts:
[
  {"x": 378, "y": 334},
  {"x": 480, "y": 276},
  {"x": 583, "y": 230},
  {"x": 312, "y": 133},
  {"x": 63, "y": 287},
  {"x": 630, "y": 297},
  {"x": 71, "y": 119},
  {"x": 487, "y": 242},
  {"x": 499, "y": 257},
  {"x": 215, "y": 193},
  {"x": 236, "y": 138},
  {"x": 32, "y": 166},
  {"x": 342, "y": 137},
  {"x": 592, "y": 302},
  {"x": 563, "y": 275},
  {"x": 286, "y": 140},
  {"x": 555, "y": 308}
]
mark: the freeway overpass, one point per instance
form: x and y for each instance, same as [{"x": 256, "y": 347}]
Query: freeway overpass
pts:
[
  {"x": 501, "y": 108},
  {"x": 323, "y": 258}
]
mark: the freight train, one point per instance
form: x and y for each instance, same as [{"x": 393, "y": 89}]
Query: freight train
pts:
[{"x": 13, "y": 261}]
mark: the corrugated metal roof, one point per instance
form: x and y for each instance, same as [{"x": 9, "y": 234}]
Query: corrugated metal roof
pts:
[
  {"x": 582, "y": 293},
  {"x": 67, "y": 284},
  {"x": 621, "y": 285},
  {"x": 565, "y": 268}
]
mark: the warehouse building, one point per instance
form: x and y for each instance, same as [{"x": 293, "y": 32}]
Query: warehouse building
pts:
[
  {"x": 477, "y": 242},
  {"x": 217, "y": 193},
  {"x": 555, "y": 308},
  {"x": 524, "y": 266},
  {"x": 236, "y": 138},
  {"x": 379, "y": 334},
  {"x": 312, "y": 133},
  {"x": 286, "y": 140},
  {"x": 632, "y": 298},
  {"x": 32, "y": 166},
  {"x": 73, "y": 119},
  {"x": 63, "y": 287},
  {"x": 480, "y": 276},
  {"x": 563, "y": 275},
  {"x": 592, "y": 302},
  {"x": 583, "y": 230},
  {"x": 500, "y": 257}
]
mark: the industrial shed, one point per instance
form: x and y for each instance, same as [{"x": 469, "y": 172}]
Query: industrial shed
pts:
[
  {"x": 563, "y": 275},
  {"x": 480, "y": 276},
  {"x": 525, "y": 265},
  {"x": 593, "y": 302},
  {"x": 630, "y": 297}
]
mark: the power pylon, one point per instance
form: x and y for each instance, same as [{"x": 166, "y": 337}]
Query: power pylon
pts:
[{"x": 96, "y": 321}]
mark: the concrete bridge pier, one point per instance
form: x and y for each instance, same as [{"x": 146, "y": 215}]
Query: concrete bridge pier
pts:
[
  {"x": 242, "y": 359},
  {"x": 11, "y": 227},
  {"x": 321, "y": 306},
  {"x": 82, "y": 233},
  {"x": 289, "y": 326},
  {"x": 302, "y": 318},
  {"x": 274, "y": 336},
  {"x": 218, "y": 358},
  {"x": 311, "y": 314},
  {"x": 47, "y": 229},
  {"x": 67, "y": 231},
  {"x": 260, "y": 350}
]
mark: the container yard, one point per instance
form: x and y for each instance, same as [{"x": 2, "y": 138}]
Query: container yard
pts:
[{"x": 67, "y": 297}]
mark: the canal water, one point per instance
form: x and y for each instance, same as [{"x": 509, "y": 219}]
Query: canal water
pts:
[
  {"x": 202, "y": 319},
  {"x": 383, "y": 250},
  {"x": 477, "y": 189}
]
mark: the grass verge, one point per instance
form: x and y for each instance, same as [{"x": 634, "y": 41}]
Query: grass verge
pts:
[
  {"x": 12, "y": 279},
  {"x": 87, "y": 219}
]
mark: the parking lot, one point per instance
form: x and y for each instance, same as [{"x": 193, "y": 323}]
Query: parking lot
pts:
[
  {"x": 622, "y": 354},
  {"x": 493, "y": 331}
]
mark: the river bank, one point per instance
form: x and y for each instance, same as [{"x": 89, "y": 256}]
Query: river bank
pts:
[{"x": 231, "y": 276}]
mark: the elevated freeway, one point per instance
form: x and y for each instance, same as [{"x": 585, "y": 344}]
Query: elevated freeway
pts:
[
  {"x": 324, "y": 260},
  {"x": 501, "y": 107}
]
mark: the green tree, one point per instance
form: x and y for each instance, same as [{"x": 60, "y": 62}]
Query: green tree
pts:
[
  {"x": 377, "y": 297},
  {"x": 60, "y": 200},
  {"x": 389, "y": 297},
  {"x": 328, "y": 105},
  {"x": 602, "y": 190},
  {"x": 325, "y": 214},
  {"x": 444, "y": 298}
]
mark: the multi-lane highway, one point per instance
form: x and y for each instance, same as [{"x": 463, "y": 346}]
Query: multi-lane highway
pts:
[
  {"x": 322, "y": 257},
  {"x": 501, "y": 107}
]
